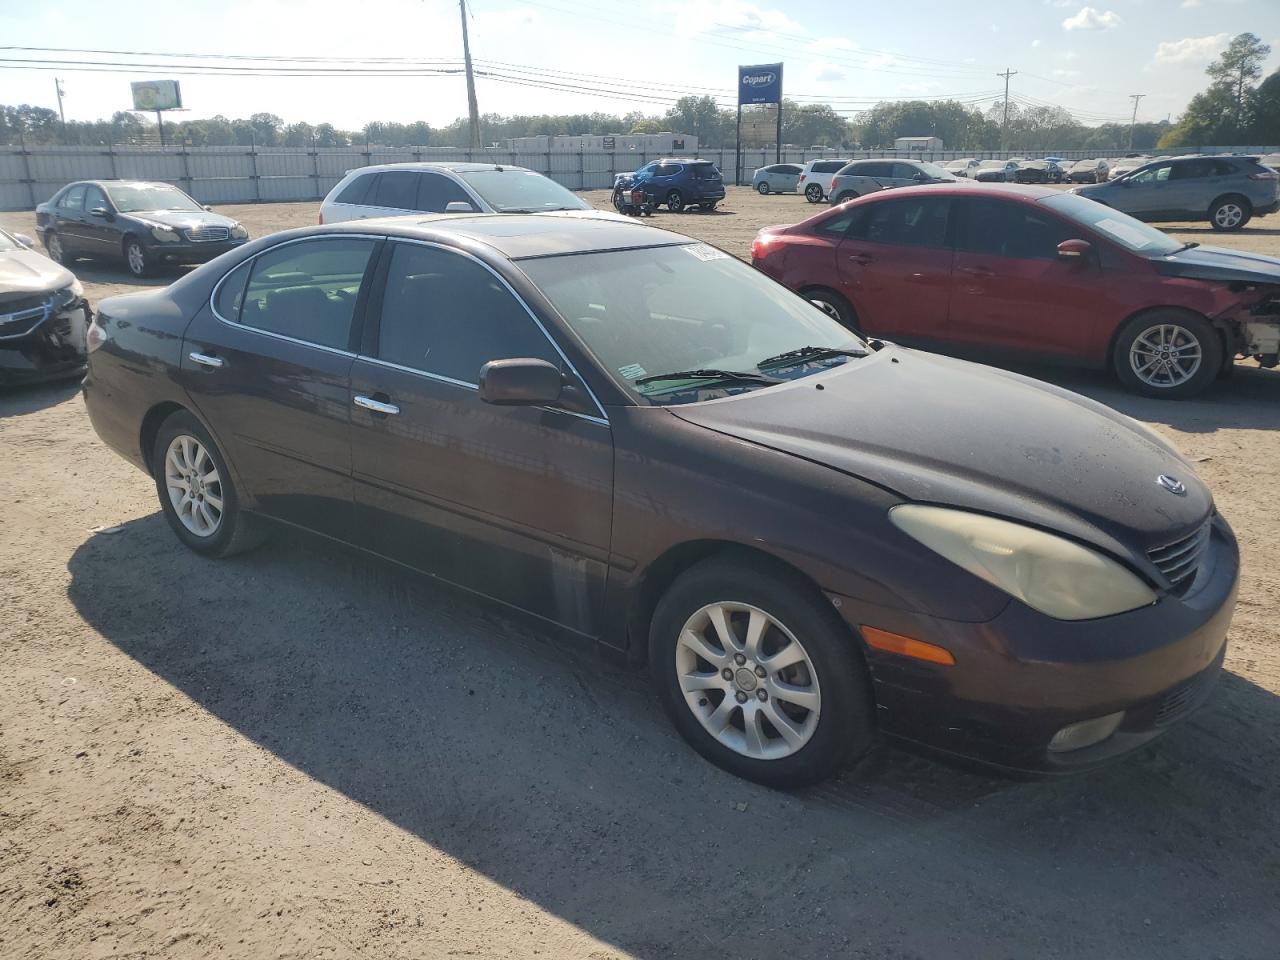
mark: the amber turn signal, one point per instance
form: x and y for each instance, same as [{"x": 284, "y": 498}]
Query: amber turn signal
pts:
[{"x": 906, "y": 646}]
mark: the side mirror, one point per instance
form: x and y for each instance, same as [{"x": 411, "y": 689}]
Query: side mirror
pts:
[
  {"x": 102, "y": 213},
  {"x": 919, "y": 178},
  {"x": 24, "y": 239},
  {"x": 459, "y": 206},
  {"x": 523, "y": 382},
  {"x": 1074, "y": 250},
  {"x": 208, "y": 206}
]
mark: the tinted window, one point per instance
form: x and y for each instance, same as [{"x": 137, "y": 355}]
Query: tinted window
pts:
[
  {"x": 357, "y": 189},
  {"x": 1192, "y": 170},
  {"x": 446, "y": 314},
  {"x": 904, "y": 171},
  {"x": 230, "y": 295},
  {"x": 307, "y": 290},
  {"x": 73, "y": 199},
  {"x": 1225, "y": 168},
  {"x": 398, "y": 189},
  {"x": 920, "y": 222},
  {"x": 94, "y": 198},
  {"x": 788, "y": 168},
  {"x": 1003, "y": 229},
  {"x": 436, "y": 192},
  {"x": 874, "y": 168},
  {"x": 828, "y": 166}
]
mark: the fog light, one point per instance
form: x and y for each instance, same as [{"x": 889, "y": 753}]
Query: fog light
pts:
[{"x": 1086, "y": 733}]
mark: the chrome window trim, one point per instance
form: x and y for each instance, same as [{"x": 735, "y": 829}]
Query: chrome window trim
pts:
[
  {"x": 603, "y": 418},
  {"x": 213, "y": 294}
]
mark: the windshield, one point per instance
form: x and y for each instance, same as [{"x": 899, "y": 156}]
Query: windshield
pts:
[
  {"x": 1123, "y": 229},
  {"x": 511, "y": 191},
  {"x": 684, "y": 308},
  {"x": 139, "y": 197},
  {"x": 933, "y": 171}
]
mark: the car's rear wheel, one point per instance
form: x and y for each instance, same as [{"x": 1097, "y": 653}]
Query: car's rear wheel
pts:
[
  {"x": 1230, "y": 213},
  {"x": 708, "y": 206},
  {"x": 762, "y": 188},
  {"x": 833, "y": 305},
  {"x": 196, "y": 491},
  {"x": 1168, "y": 353},
  {"x": 53, "y": 244},
  {"x": 675, "y": 201},
  {"x": 758, "y": 673},
  {"x": 813, "y": 193},
  {"x": 843, "y": 197},
  {"x": 135, "y": 257}
]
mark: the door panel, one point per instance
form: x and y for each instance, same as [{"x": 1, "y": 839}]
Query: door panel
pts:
[
  {"x": 100, "y": 235},
  {"x": 69, "y": 216},
  {"x": 279, "y": 404},
  {"x": 511, "y": 502},
  {"x": 895, "y": 267}
]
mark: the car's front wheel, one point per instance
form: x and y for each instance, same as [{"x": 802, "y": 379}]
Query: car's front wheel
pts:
[
  {"x": 762, "y": 188},
  {"x": 813, "y": 193},
  {"x": 758, "y": 673},
  {"x": 135, "y": 257},
  {"x": 675, "y": 201},
  {"x": 196, "y": 491},
  {"x": 834, "y": 306},
  {"x": 1230, "y": 213},
  {"x": 1168, "y": 353}
]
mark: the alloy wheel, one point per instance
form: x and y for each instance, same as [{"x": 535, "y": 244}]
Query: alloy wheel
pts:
[
  {"x": 1165, "y": 355},
  {"x": 194, "y": 485},
  {"x": 1228, "y": 215},
  {"x": 762, "y": 188},
  {"x": 675, "y": 201},
  {"x": 137, "y": 259},
  {"x": 813, "y": 193},
  {"x": 829, "y": 308},
  {"x": 748, "y": 680}
]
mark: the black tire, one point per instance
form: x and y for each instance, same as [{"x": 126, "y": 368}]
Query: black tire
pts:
[
  {"x": 136, "y": 258},
  {"x": 709, "y": 206},
  {"x": 53, "y": 246},
  {"x": 236, "y": 530},
  {"x": 813, "y": 193},
  {"x": 845, "y": 727},
  {"x": 675, "y": 201},
  {"x": 1126, "y": 362},
  {"x": 617, "y": 202},
  {"x": 843, "y": 197},
  {"x": 834, "y": 305},
  {"x": 1230, "y": 213},
  {"x": 762, "y": 188}
]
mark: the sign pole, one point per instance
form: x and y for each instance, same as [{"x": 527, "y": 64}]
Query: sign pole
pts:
[
  {"x": 777, "y": 156},
  {"x": 737, "y": 149}
]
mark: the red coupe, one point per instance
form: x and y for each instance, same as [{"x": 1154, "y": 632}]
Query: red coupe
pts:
[{"x": 1034, "y": 272}]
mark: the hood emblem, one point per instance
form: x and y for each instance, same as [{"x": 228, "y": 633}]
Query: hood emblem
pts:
[{"x": 1172, "y": 484}]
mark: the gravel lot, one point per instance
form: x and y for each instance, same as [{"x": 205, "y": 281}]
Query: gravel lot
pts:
[{"x": 304, "y": 753}]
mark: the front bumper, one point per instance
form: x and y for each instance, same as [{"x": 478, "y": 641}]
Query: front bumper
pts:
[
  {"x": 50, "y": 348},
  {"x": 183, "y": 251},
  {"x": 1021, "y": 677}
]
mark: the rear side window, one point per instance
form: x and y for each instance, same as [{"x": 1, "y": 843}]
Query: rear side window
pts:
[
  {"x": 1225, "y": 168},
  {"x": 356, "y": 191},
  {"x": 396, "y": 189},
  {"x": 230, "y": 293},
  {"x": 917, "y": 222},
  {"x": 1005, "y": 229},
  {"x": 307, "y": 290},
  {"x": 1192, "y": 170},
  {"x": 444, "y": 313}
]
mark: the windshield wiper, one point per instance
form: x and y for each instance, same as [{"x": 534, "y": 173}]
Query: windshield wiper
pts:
[
  {"x": 808, "y": 353},
  {"x": 1189, "y": 245},
  {"x": 709, "y": 374}
]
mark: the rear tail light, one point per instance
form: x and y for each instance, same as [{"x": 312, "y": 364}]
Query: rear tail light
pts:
[
  {"x": 1265, "y": 175},
  {"x": 761, "y": 244},
  {"x": 802, "y": 176},
  {"x": 321, "y": 220},
  {"x": 95, "y": 336},
  {"x": 833, "y": 183}
]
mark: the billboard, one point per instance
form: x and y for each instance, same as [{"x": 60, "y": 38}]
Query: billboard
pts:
[
  {"x": 760, "y": 84},
  {"x": 156, "y": 95}
]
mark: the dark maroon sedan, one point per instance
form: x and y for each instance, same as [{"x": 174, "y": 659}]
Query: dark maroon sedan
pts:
[
  {"x": 642, "y": 440},
  {"x": 1035, "y": 273}
]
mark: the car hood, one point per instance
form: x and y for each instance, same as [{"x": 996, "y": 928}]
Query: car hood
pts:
[
  {"x": 1218, "y": 263},
  {"x": 25, "y": 271},
  {"x": 183, "y": 219},
  {"x": 944, "y": 431}
]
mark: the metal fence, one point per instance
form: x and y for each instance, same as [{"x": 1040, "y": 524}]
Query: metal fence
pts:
[{"x": 31, "y": 174}]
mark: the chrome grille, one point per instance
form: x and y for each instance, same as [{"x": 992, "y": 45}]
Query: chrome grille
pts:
[
  {"x": 205, "y": 233},
  {"x": 18, "y": 323},
  {"x": 1180, "y": 560}
]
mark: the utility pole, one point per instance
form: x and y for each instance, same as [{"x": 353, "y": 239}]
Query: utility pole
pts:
[
  {"x": 472, "y": 110},
  {"x": 57, "y": 85},
  {"x": 1004, "y": 126},
  {"x": 1135, "y": 97}
]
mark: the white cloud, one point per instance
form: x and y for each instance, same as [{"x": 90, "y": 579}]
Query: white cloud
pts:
[
  {"x": 1034, "y": 44},
  {"x": 1192, "y": 49},
  {"x": 822, "y": 72},
  {"x": 1090, "y": 19},
  {"x": 1188, "y": 4},
  {"x": 735, "y": 17}
]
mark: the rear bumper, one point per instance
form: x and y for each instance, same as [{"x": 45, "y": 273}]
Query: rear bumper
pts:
[
  {"x": 1271, "y": 207},
  {"x": 1021, "y": 677}
]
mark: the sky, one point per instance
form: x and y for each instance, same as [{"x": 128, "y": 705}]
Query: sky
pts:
[{"x": 621, "y": 56}]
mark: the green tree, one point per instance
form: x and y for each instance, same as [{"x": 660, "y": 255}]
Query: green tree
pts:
[
  {"x": 701, "y": 117},
  {"x": 1265, "y": 109},
  {"x": 1237, "y": 69}
]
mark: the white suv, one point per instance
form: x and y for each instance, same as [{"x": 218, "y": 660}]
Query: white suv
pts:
[
  {"x": 814, "y": 177},
  {"x": 392, "y": 189}
]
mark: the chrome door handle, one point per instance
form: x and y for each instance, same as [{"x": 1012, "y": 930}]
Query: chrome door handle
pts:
[
  {"x": 205, "y": 360},
  {"x": 377, "y": 406}
]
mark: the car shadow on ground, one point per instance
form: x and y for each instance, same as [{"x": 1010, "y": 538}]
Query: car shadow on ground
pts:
[
  {"x": 559, "y": 778},
  {"x": 21, "y": 400},
  {"x": 109, "y": 272}
]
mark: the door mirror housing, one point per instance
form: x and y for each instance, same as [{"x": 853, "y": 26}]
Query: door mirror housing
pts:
[
  {"x": 1074, "y": 250},
  {"x": 102, "y": 213},
  {"x": 24, "y": 239},
  {"x": 522, "y": 382},
  {"x": 208, "y": 206}
]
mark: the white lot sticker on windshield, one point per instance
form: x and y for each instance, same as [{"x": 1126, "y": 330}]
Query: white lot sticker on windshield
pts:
[
  {"x": 1124, "y": 231},
  {"x": 704, "y": 252},
  {"x": 632, "y": 371}
]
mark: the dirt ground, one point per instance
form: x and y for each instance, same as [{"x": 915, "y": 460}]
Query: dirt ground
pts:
[{"x": 303, "y": 753}]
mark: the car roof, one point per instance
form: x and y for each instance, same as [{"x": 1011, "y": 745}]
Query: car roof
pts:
[
  {"x": 520, "y": 236},
  {"x": 964, "y": 188},
  {"x": 460, "y": 166}
]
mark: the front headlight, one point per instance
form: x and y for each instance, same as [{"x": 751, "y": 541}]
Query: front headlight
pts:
[
  {"x": 1051, "y": 574},
  {"x": 164, "y": 234},
  {"x": 68, "y": 294},
  {"x": 238, "y": 232}
]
